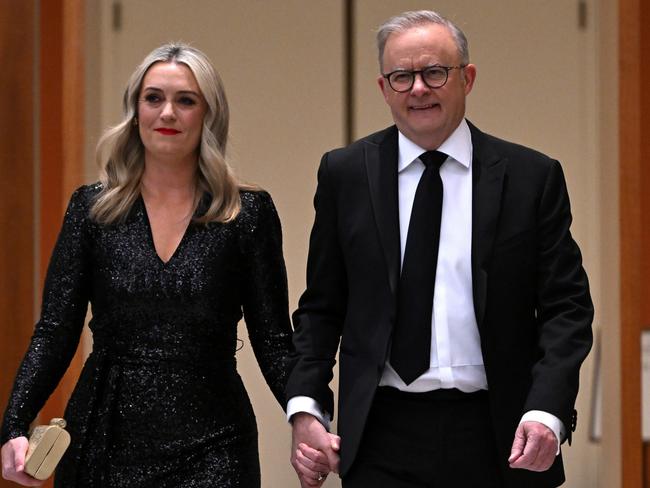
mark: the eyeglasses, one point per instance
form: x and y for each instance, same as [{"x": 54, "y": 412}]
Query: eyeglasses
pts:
[{"x": 436, "y": 76}]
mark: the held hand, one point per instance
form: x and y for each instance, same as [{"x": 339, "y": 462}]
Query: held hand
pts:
[
  {"x": 534, "y": 447},
  {"x": 314, "y": 450},
  {"x": 13, "y": 462},
  {"x": 314, "y": 466}
]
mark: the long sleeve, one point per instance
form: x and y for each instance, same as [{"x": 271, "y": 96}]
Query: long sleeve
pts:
[
  {"x": 266, "y": 305},
  {"x": 565, "y": 310},
  {"x": 318, "y": 321},
  {"x": 56, "y": 335}
]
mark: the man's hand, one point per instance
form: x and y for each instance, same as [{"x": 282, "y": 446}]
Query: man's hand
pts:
[
  {"x": 13, "y": 462},
  {"x": 534, "y": 447},
  {"x": 314, "y": 451}
]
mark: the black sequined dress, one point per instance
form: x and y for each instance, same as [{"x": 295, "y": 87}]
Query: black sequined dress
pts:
[{"x": 159, "y": 402}]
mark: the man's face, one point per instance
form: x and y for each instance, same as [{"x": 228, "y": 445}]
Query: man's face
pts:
[{"x": 427, "y": 116}]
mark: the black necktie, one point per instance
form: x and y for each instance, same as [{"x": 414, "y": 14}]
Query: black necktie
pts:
[{"x": 411, "y": 344}]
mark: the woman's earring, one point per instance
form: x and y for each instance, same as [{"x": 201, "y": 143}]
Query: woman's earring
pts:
[{"x": 135, "y": 121}]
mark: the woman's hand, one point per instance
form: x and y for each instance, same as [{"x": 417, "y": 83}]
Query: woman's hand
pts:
[
  {"x": 13, "y": 462},
  {"x": 313, "y": 466}
]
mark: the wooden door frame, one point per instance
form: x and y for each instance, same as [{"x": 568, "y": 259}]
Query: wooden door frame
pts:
[
  {"x": 17, "y": 46},
  {"x": 61, "y": 139},
  {"x": 43, "y": 46},
  {"x": 634, "y": 159}
]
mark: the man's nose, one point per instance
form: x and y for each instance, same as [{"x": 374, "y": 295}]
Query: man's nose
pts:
[{"x": 419, "y": 86}]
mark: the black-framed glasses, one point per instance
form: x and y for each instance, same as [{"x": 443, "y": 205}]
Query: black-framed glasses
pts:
[{"x": 401, "y": 80}]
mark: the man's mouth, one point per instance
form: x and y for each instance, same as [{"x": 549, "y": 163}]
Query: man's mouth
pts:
[{"x": 423, "y": 107}]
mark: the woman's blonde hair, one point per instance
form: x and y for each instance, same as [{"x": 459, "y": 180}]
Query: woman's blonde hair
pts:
[{"x": 120, "y": 153}]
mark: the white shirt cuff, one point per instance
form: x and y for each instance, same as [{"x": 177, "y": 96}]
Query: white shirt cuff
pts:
[
  {"x": 549, "y": 420},
  {"x": 308, "y": 405}
]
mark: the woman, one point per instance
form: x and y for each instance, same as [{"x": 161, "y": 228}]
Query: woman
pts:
[{"x": 169, "y": 248}]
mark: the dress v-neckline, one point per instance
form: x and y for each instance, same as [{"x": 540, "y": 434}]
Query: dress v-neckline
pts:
[{"x": 152, "y": 242}]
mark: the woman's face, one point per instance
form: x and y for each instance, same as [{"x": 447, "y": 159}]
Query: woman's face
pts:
[{"x": 171, "y": 109}]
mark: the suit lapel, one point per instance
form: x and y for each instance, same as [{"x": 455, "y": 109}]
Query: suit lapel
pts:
[
  {"x": 381, "y": 167},
  {"x": 488, "y": 176}
]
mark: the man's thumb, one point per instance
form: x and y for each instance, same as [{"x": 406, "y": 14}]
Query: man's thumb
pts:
[
  {"x": 518, "y": 444},
  {"x": 335, "y": 442}
]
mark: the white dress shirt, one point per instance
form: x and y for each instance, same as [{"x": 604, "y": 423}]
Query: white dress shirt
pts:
[{"x": 456, "y": 360}]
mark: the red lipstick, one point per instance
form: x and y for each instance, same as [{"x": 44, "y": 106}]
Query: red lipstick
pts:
[{"x": 167, "y": 132}]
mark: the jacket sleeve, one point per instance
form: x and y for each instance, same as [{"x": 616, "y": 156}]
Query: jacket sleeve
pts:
[
  {"x": 266, "y": 306},
  {"x": 318, "y": 321},
  {"x": 564, "y": 306}
]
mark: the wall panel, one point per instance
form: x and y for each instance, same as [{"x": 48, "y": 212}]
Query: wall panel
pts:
[
  {"x": 634, "y": 153},
  {"x": 39, "y": 163},
  {"x": 61, "y": 108},
  {"x": 17, "y": 51}
]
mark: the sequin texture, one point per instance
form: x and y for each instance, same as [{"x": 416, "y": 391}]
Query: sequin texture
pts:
[{"x": 159, "y": 402}]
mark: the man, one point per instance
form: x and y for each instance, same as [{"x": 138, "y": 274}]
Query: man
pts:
[{"x": 441, "y": 258}]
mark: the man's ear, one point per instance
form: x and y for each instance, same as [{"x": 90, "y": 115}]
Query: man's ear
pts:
[
  {"x": 383, "y": 86},
  {"x": 469, "y": 74}
]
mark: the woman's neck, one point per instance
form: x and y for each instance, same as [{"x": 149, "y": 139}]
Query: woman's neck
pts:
[{"x": 161, "y": 180}]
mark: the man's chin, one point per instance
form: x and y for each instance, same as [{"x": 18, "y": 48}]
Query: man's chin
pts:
[{"x": 425, "y": 134}]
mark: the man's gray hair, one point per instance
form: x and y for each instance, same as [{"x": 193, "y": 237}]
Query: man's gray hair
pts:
[{"x": 408, "y": 20}]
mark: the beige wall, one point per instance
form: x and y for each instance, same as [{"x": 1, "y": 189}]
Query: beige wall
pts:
[
  {"x": 542, "y": 82},
  {"x": 609, "y": 461}
]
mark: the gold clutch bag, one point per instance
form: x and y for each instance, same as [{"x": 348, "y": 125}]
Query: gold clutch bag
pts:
[{"x": 47, "y": 443}]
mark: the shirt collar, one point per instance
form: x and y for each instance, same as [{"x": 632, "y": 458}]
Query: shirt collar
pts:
[{"x": 458, "y": 147}]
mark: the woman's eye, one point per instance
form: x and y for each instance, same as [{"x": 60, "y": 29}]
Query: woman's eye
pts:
[
  {"x": 151, "y": 98},
  {"x": 186, "y": 101}
]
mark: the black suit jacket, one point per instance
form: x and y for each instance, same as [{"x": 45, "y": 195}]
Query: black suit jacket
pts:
[{"x": 531, "y": 295}]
